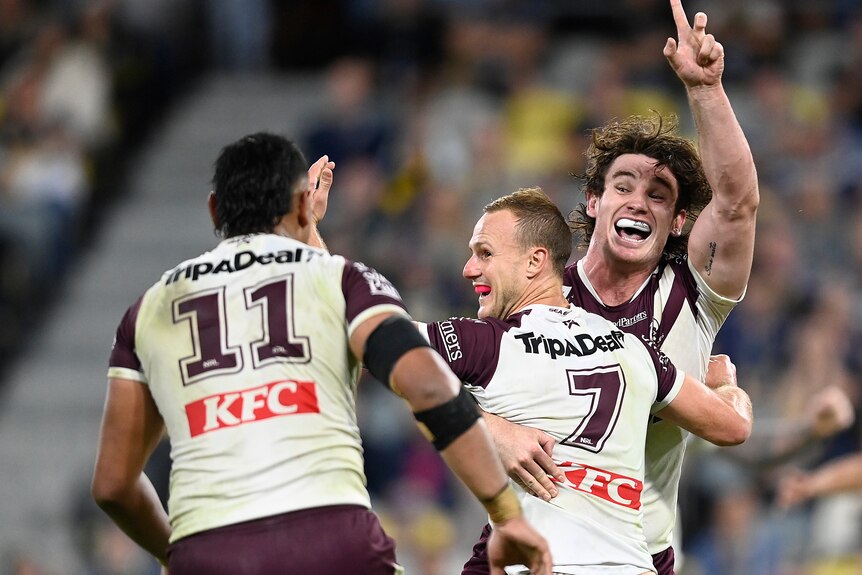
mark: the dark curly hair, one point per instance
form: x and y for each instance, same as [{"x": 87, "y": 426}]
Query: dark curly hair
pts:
[
  {"x": 254, "y": 183},
  {"x": 654, "y": 136}
]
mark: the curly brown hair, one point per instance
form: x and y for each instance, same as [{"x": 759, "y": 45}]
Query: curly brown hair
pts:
[{"x": 655, "y": 136}]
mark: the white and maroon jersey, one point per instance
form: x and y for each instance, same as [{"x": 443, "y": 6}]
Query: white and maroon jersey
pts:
[
  {"x": 591, "y": 386},
  {"x": 245, "y": 351},
  {"x": 675, "y": 311}
]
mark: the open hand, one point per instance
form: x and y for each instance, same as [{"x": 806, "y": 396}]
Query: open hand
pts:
[
  {"x": 320, "y": 176},
  {"x": 526, "y": 455}
]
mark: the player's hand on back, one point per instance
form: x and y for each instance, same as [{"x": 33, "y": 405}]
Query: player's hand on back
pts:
[
  {"x": 515, "y": 542},
  {"x": 526, "y": 455}
]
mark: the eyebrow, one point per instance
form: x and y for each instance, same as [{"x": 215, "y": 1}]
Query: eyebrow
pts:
[
  {"x": 479, "y": 244},
  {"x": 628, "y": 173}
]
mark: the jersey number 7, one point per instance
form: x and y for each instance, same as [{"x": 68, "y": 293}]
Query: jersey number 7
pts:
[{"x": 604, "y": 387}]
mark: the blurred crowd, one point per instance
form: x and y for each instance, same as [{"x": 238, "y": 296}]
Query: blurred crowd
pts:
[
  {"x": 435, "y": 107},
  {"x": 81, "y": 85}
]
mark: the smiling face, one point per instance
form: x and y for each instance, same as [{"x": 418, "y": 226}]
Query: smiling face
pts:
[
  {"x": 498, "y": 264},
  {"x": 636, "y": 213}
]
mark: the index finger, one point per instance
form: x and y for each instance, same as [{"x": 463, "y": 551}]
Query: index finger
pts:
[{"x": 679, "y": 17}]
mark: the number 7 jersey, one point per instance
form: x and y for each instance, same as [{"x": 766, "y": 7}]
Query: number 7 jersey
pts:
[
  {"x": 593, "y": 387},
  {"x": 245, "y": 352}
]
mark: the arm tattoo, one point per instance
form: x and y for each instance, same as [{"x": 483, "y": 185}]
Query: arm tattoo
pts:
[{"x": 712, "y": 247}]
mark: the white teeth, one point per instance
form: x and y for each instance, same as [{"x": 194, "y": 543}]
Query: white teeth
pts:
[{"x": 629, "y": 223}]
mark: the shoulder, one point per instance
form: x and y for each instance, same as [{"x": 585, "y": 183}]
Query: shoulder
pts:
[{"x": 358, "y": 276}]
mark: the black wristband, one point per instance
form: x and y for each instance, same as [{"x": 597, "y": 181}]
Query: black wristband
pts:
[{"x": 446, "y": 422}]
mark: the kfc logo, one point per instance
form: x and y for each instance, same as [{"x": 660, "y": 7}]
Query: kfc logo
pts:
[
  {"x": 286, "y": 397},
  {"x": 610, "y": 486}
]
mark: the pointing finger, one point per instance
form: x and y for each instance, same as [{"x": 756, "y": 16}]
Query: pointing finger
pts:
[{"x": 679, "y": 17}]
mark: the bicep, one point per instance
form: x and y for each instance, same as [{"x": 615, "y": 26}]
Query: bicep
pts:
[
  {"x": 131, "y": 428},
  {"x": 359, "y": 336},
  {"x": 721, "y": 249}
]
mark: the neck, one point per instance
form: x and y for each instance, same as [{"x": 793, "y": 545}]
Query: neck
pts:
[
  {"x": 615, "y": 283},
  {"x": 290, "y": 228},
  {"x": 544, "y": 292}
]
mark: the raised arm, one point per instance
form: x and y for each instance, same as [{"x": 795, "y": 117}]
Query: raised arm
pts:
[
  {"x": 395, "y": 353},
  {"x": 320, "y": 177},
  {"x": 721, "y": 244}
]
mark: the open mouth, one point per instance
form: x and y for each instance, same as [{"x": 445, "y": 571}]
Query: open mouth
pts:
[
  {"x": 482, "y": 290},
  {"x": 633, "y": 230}
]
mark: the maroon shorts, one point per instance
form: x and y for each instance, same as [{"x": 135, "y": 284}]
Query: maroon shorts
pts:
[
  {"x": 477, "y": 564},
  {"x": 326, "y": 540},
  {"x": 663, "y": 562}
]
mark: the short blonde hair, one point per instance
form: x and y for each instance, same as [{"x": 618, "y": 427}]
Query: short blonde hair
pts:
[{"x": 540, "y": 223}]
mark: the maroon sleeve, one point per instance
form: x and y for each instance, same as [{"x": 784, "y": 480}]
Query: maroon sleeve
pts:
[
  {"x": 123, "y": 350},
  {"x": 665, "y": 370},
  {"x": 570, "y": 274},
  {"x": 364, "y": 288},
  {"x": 471, "y": 347}
]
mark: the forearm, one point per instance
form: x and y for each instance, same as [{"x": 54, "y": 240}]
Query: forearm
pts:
[
  {"x": 458, "y": 431},
  {"x": 721, "y": 415},
  {"x": 474, "y": 460},
  {"x": 737, "y": 399},
  {"x": 773, "y": 444},
  {"x": 724, "y": 149},
  {"x": 139, "y": 513},
  {"x": 841, "y": 475}
]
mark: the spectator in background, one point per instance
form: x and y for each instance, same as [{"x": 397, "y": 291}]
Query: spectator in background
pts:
[
  {"x": 43, "y": 184},
  {"x": 239, "y": 34},
  {"x": 17, "y": 28},
  {"x": 838, "y": 476},
  {"x": 826, "y": 499}
]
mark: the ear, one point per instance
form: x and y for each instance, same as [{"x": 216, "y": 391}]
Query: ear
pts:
[
  {"x": 678, "y": 223},
  {"x": 303, "y": 208},
  {"x": 211, "y": 204},
  {"x": 537, "y": 261},
  {"x": 592, "y": 204}
]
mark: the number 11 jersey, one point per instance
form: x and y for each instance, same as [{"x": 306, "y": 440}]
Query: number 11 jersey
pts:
[{"x": 245, "y": 352}]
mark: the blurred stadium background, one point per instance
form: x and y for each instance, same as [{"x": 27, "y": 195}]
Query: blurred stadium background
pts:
[{"x": 112, "y": 113}]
